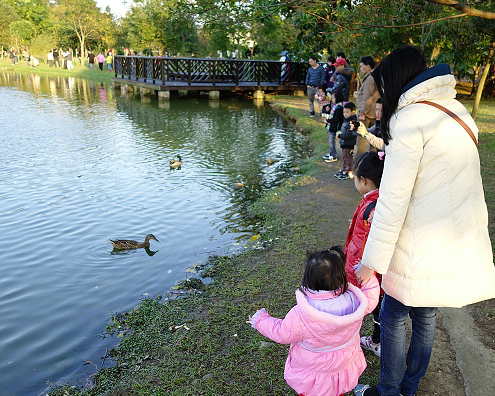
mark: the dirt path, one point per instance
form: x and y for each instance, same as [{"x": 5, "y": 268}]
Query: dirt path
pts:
[{"x": 463, "y": 359}]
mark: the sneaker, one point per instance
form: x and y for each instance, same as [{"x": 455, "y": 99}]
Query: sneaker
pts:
[
  {"x": 330, "y": 159},
  {"x": 365, "y": 390},
  {"x": 311, "y": 113},
  {"x": 326, "y": 156},
  {"x": 368, "y": 344},
  {"x": 337, "y": 174},
  {"x": 343, "y": 176}
]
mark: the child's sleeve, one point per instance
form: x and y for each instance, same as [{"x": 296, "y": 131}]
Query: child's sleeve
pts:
[
  {"x": 282, "y": 331},
  {"x": 371, "y": 290}
]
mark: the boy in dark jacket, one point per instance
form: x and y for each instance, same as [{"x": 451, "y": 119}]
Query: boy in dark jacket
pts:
[
  {"x": 333, "y": 124},
  {"x": 347, "y": 141}
]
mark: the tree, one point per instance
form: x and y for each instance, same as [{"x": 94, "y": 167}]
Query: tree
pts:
[
  {"x": 22, "y": 31},
  {"x": 7, "y": 16},
  {"x": 80, "y": 17}
]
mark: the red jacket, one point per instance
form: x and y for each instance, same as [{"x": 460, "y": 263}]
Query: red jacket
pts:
[{"x": 357, "y": 235}]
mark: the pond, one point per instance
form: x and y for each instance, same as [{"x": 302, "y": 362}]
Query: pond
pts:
[{"x": 81, "y": 165}]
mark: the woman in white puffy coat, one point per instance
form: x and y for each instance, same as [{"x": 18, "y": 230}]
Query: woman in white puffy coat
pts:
[{"x": 429, "y": 236}]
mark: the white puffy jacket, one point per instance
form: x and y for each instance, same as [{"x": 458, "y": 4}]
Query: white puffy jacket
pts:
[{"x": 429, "y": 235}]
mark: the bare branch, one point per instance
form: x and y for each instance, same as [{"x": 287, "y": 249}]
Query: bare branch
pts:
[{"x": 467, "y": 10}]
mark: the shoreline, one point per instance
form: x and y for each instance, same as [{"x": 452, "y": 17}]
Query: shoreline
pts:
[{"x": 200, "y": 345}]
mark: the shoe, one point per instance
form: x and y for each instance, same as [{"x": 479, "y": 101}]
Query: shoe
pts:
[
  {"x": 368, "y": 344},
  {"x": 326, "y": 156},
  {"x": 312, "y": 114},
  {"x": 330, "y": 159},
  {"x": 343, "y": 176},
  {"x": 337, "y": 174},
  {"x": 365, "y": 390}
]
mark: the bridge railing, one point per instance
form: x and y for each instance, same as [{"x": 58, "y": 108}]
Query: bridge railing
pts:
[{"x": 208, "y": 71}]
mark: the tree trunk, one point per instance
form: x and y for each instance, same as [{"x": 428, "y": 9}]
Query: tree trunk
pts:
[{"x": 481, "y": 85}]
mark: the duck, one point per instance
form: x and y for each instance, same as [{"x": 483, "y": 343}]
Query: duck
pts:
[
  {"x": 126, "y": 244},
  {"x": 271, "y": 160},
  {"x": 176, "y": 162}
]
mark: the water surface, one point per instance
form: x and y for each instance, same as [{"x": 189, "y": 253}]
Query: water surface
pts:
[{"x": 79, "y": 165}]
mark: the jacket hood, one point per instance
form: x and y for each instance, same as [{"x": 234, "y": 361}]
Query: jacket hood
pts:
[
  {"x": 441, "y": 69},
  {"x": 432, "y": 84},
  {"x": 325, "y": 317}
]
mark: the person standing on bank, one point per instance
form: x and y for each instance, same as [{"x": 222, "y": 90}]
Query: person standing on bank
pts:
[
  {"x": 429, "y": 236},
  {"x": 100, "y": 58},
  {"x": 342, "y": 78},
  {"x": 314, "y": 78},
  {"x": 367, "y": 94},
  {"x": 91, "y": 60}
]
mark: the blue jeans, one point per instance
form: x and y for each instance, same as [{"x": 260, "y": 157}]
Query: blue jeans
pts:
[
  {"x": 331, "y": 141},
  {"x": 91, "y": 66},
  {"x": 394, "y": 380}
]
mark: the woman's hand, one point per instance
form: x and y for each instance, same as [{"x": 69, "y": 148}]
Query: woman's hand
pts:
[{"x": 363, "y": 274}]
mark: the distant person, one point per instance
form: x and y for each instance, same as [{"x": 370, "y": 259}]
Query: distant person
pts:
[
  {"x": 324, "y": 356},
  {"x": 33, "y": 61},
  {"x": 329, "y": 71},
  {"x": 373, "y": 135},
  {"x": 91, "y": 60},
  {"x": 367, "y": 94},
  {"x": 100, "y": 59},
  {"x": 49, "y": 58},
  {"x": 68, "y": 58},
  {"x": 342, "y": 78},
  {"x": 56, "y": 57},
  {"x": 347, "y": 139},
  {"x": 314, "y": 78},
  {"x": 333, "y": 124},
  {"x": 323, "y": 100},
  {"x": 109, "y": 61}
]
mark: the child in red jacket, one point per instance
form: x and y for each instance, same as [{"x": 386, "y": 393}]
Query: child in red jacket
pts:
[{"x": 368, "y": 170}]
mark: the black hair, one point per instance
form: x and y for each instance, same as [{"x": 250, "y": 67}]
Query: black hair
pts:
[
  {"x": 323, "y": 86},
  {"x": 325, "y": 270},
  {"x": 332, "y": 60},
  {"x": 313, "y": 57},
  {"x": 368, "y": 61},
  {"x": 350, "y": 105},
  {"x": 339, "y": 97},
  {"x": 370, "y": 166},
  {"x": 379, "y": 101},
  {"x": 341, "y": 54},
  {"x": 399, "y": 68}
]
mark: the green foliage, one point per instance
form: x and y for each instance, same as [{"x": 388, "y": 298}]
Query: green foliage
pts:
[
  {"x": 22, "y": 31},
  {"x": 7, "y": 16},
  {"x": 41, "y": 45}
]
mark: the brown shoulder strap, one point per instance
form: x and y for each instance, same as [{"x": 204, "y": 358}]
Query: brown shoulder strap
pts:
[{"x": 454, "y": 116}]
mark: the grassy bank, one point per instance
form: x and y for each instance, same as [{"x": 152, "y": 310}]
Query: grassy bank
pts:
[
  {"x": 200, "y": 345},
  {"x": 79, "y": 71}
]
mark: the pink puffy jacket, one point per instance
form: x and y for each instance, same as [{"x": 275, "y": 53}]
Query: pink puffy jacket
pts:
[{"x": 325, "y": 357}]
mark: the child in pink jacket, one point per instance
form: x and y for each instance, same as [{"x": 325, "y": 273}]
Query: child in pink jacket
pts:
[{"x": 325, "y": 358}]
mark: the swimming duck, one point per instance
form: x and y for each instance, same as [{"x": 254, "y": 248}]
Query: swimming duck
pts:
[
  {"x": 176, "y": 162},
  {"x": 125, "y": 244},
  {"x": 271, "y": 160}
]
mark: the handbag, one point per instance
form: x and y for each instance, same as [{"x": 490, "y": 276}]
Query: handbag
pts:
[{"x": 454, "y": 116}]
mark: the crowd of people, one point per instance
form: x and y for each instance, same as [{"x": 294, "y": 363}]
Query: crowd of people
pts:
[
  {"x": 417, "y": 241},
  {"x": 64, "y": 58}
]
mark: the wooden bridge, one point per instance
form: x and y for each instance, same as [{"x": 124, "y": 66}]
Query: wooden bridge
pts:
[{"x": 208, "y": 74}]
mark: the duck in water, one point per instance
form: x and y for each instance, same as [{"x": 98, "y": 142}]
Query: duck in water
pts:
[{"x": 126, "y": 244}]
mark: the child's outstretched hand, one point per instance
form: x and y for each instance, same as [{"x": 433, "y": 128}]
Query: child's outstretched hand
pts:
[
  {"x": 250, "y": 320},
  {"x": 362, "y": 130}
]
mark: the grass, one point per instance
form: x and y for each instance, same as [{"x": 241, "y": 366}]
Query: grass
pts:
[
  {"x": 218, "y": 353},
  {"x": 79, "y": 71}
]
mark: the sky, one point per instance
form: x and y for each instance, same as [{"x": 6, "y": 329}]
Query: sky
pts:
[{"x": 117, "y": 6}]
